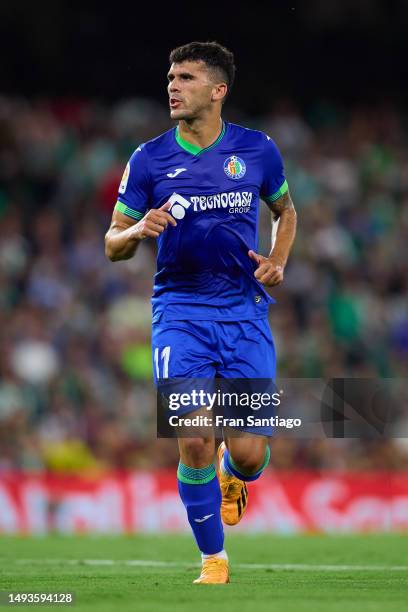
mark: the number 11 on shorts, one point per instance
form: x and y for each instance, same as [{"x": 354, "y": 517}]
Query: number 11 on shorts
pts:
[{"x": 164, "y": 358}]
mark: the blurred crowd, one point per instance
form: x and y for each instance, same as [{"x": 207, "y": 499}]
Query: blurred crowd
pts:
[{"x": 75, "y": 364}]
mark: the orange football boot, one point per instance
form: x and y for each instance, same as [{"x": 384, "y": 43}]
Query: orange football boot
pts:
[
  {"x": 234, "y": 494},
  {"x": 214, "y": 571}
]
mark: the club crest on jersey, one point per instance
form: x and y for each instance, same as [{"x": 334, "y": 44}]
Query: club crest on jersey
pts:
[{"x": 234, "y": 167}]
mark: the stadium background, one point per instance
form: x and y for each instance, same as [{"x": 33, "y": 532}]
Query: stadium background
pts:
[{"x": 80, "y": 89}]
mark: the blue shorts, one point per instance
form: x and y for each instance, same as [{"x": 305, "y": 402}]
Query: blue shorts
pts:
[{"x": 214, "y": 349}]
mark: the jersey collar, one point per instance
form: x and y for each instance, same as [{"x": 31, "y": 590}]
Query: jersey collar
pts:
[{"x": 194, "y": 149}]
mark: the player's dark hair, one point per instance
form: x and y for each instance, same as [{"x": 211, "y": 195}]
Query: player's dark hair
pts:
[{"x": 214, "y": 55}]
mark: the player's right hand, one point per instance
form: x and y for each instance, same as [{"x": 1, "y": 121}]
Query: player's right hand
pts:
[{"x": 153, "y": 223}]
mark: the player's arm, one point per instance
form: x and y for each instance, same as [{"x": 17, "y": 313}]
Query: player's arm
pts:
[
  {"x": 125, "y": 234},
  {"x": 284, "y": 210},
  {"x": 132, "y": 221},
  {"x": 270, "y": 269}
]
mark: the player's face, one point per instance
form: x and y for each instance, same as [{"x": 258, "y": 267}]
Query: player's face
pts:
[{"x": 190, "y": 90}]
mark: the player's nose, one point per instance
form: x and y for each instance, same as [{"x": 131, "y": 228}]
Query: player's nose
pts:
[{"x": 173, "y": 87}]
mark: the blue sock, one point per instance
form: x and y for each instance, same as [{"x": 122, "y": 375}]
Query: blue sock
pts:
[
  {"x": 201, "y": 495},
  {"x": 233, "y": 470}
]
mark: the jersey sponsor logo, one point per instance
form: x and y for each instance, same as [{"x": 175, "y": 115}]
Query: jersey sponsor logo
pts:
[
  {"x": 125, "y": 178},
  {"x": 235, "y": 201},
  {"x": 179, "y": 205},
  {"x": 176, "y": 172},
  {"x": 234, "y": 167}
]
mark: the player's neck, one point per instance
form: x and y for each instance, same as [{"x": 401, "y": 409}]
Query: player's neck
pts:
[{"x": 201, "y": 132}]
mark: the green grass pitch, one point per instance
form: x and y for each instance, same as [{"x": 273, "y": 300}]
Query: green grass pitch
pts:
[{"x": 98, "y": 570}]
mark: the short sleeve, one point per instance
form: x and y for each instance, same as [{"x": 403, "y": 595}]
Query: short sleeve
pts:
[
  {"x": 134, "y": 188},
  {"x": 274, "y": 182}
]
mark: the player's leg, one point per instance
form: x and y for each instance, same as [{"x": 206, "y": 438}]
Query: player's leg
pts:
[
  {"x": 243, "y": 458},
  {"x": 201, "y": 495},
  {"x": 188, "y": 354},
  {"x": 246, "y": 456},
  {"x": 200, "y": 492}
]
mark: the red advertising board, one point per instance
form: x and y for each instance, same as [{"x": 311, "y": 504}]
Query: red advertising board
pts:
[{"x": 289, "y": 502}]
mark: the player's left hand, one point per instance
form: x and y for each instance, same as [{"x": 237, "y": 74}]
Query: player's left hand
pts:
[{"x": 269, "y": 271}]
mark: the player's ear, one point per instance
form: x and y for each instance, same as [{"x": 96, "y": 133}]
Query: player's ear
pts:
[{"x": 219, "y": 91}]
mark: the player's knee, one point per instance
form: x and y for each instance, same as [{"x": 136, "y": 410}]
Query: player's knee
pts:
[
  {"x": 249, "y": 463},
  {"x": 196, "y": 452}
]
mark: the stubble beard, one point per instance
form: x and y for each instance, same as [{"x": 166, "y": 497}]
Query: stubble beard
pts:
[
  {"x": 182, "y": 115},
  {"x": 189, "y": 115}
]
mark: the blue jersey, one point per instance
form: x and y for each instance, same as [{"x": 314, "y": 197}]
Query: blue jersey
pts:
[{"x": 203, "y": 268}]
